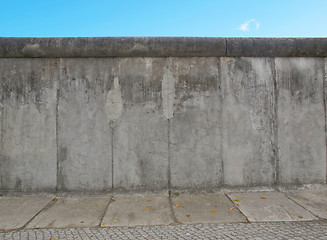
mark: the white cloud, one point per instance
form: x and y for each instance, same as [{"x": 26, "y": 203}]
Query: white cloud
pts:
[{"x": 246, "y": 26}]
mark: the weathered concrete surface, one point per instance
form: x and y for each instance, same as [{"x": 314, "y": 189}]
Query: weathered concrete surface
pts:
[
  {"x": 137, "y": 210},
  {"x": 301, "y": 121},
  {"x": 140, "y": 157},
  {"x": 112, "y": 47},
  {"x": 72, "y": 212},
  {"x": 173, "y": 120},
  {"x": 162, "y": 47},
  {"x": 314, "y": 201},
  {"x": 29, "y": 150},
  {"x": 84, "y": 133},
  {"x": 276, "y": 47},
  {"x": 192, "y": 209},
  {"x": 196, "y": 126},
  {"x": 17, "y": 211},
  {"x": 269, "y": 206},
  {"x": 248, "y": 113}
]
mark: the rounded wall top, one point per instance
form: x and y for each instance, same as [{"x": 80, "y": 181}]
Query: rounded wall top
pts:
[{"x": 161, "y": 47}]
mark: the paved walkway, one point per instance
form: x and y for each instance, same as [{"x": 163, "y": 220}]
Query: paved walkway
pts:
[{"x": 300, "y": 214}]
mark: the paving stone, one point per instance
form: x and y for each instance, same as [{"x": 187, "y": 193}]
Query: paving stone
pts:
[
  {"x": 138, "y": 209},
  {"x": 71, "y": 212},
  {"x": 191, "y": 208},
  {"x": 269, "y": 206},
  {"x": 314, "y": 201},
  {"x": 267, "y": 230},
  {"x": 15, "y": 212}
]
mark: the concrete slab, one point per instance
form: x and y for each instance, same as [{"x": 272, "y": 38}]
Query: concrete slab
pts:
[
  {"x": 29, "y": 148},
  {"x": 301, "y": 120},
  {"x": 192, "y": 209},
  {"x": 15, "y": 212},
  {"x": 248, "y": 116},
  {"x": 138, "y": 209},
  {"x": 269, "y": 206},
  {"x": 140, "y": 146},
  {"x": 84, "y": 133},
  {"x": 72, "y": 212},
  {"x": 314, "y": 201},
  {"x": 195, "y": 123}
]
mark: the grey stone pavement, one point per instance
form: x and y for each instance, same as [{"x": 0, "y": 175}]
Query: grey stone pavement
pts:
[{"x": 288, "y": 214}]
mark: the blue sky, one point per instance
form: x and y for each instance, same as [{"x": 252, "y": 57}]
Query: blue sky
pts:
[{"x": 201, "y": 18}]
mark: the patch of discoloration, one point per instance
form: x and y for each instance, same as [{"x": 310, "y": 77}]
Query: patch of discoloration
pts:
[
  {"x": 168, "y": 94},
  {"x": 114, "y": 104},
  {"x": 32, "y": 50}
]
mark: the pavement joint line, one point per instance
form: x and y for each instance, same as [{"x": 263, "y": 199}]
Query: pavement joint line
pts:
[
  {"x": 172, "y": 208},
  {"x": 46, "y": 207},
  {"x": 247, "y": 220},
  {"x": 290, "y": 198},
  {"x": 105, "y": 211}
]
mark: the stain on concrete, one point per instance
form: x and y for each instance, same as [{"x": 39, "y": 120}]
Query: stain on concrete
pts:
[
  {"x": 114, "y": 104},
  {"x": 168, "y": 94}
]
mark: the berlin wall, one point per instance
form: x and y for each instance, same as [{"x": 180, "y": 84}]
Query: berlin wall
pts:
[{"x": 106, "y": 114}]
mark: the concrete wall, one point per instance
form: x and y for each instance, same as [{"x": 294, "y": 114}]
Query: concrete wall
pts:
[{"x": 168, "y": 114}]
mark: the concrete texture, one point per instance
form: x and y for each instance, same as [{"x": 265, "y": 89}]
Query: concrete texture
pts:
[
  {"x": 195, "y": 132},
  {"x": 130, "y": 210},
  {"x": 162, "y": 47},
  {"x": 193, "y": 209},
  {"x": 137, "y": 210},
  {"x": 269, "y": 206},
  {"x": 17, "y": 211},
  {"x": 140, "y": 147},
  {"x": 248, "y": 114},
  {"x": 84, "y": 132},
  {"x": 313, "y": 201},
  {"x": 301, "y": 120},
  {"x": 29, "y": 149},
  {"x": 276, "y": 47},
  {"x": 69, "y": 212},
  {"x": 161, "y": 113}
]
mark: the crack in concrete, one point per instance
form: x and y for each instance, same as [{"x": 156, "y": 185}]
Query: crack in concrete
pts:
[
  {"x": 105, "y": 211},
  {"x": 173, "y": 216},
  {"x": 46, "y": 207}
]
